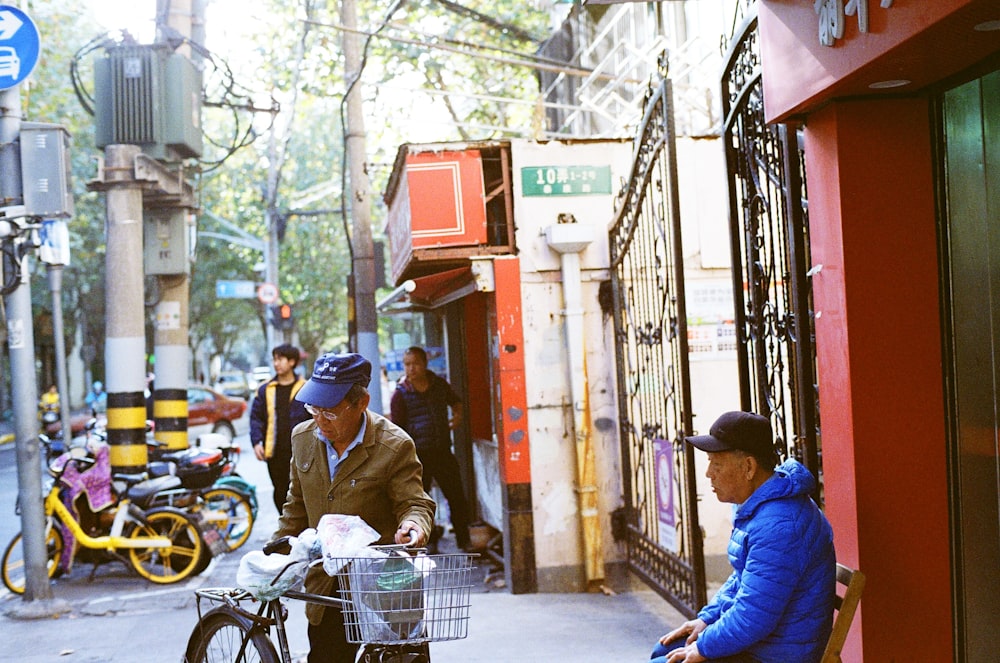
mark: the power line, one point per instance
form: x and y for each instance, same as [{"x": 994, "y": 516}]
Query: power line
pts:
[{"x": 522, "y": 60}]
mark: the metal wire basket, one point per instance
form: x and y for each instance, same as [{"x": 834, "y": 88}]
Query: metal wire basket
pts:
[{"x": 405, "y": 599}]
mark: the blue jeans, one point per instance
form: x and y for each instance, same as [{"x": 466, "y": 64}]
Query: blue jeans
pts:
[{"x": 660, "y": 652}]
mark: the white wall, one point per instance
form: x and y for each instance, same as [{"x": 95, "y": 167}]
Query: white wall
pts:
[{"x": 558, "y": 547}]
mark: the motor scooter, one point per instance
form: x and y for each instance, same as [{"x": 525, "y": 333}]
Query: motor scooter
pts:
[{"x": 209, "y": 484}]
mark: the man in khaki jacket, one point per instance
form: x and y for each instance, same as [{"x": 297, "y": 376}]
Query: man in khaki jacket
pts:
[{"x": 350, "y": 461}]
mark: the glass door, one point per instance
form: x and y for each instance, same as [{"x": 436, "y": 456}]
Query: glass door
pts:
[{"x": 971, "y": 126}]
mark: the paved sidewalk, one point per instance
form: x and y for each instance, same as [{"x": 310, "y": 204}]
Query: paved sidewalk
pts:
[{"x": 117, "y": 618}]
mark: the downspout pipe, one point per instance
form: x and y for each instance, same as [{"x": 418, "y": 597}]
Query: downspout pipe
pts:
[{"x": 569, "y": 239}]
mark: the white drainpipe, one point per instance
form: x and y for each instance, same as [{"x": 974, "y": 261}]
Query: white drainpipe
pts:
[{"x": 569, "y": 239}]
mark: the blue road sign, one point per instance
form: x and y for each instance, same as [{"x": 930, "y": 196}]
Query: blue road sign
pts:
[
  {"x": 235, "y": 289},
  {"x": 19, "y": 46}
]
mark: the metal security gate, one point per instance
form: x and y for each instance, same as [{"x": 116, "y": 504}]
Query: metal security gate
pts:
[
  {"x": 770, "y": 255},
  {"x": 659, "y": 521}
]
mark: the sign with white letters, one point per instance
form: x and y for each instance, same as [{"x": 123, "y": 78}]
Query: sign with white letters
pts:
[{"x": 19, "y": 46}]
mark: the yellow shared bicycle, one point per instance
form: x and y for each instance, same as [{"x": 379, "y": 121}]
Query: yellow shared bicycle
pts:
[{"x": 163, "y": 544}]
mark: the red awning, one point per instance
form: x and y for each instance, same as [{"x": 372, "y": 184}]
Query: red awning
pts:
[{"x": 430, "y": 291}]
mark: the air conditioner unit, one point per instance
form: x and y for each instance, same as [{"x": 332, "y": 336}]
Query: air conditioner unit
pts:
[{"x": 147, "y": 95}]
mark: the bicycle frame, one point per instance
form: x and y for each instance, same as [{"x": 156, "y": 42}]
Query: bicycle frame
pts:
[{"x": 55, "y": 509}]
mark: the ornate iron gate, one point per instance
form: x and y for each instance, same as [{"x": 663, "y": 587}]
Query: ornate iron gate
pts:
[
  {"x": 770, "y": 255},
  {"x": 659, "y": 521}
]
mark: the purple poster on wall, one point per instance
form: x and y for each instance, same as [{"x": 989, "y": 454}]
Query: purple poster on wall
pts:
[{"x": 663, "y": 454}]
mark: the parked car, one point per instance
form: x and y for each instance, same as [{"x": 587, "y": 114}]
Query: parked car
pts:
[
  {"x": 233, "y": 383},
  {"x": 219, "y": 413},
  {"x": 260, "y": 375}
]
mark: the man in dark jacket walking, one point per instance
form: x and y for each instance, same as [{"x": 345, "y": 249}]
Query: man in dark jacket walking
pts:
[
  {"x": 778, "y": 603},
  {"x": 274, "y": 414},
  {"x": 419, "y": 405}
]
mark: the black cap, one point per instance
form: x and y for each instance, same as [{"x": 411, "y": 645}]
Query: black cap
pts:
[
  {"x": 743, "y": 431},
  {"x": 333, "y": 376}
]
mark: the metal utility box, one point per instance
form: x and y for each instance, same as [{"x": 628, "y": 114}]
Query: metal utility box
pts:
[
  {"x": 166, "y": 242},
  {"x": 45, "y": 170},
  {"x": 147, "y": 96}
]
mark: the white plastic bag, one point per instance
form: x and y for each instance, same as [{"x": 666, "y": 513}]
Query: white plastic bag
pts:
[
  {"x": 267, "y": 577},
  {"x": 342, "y": 537}
]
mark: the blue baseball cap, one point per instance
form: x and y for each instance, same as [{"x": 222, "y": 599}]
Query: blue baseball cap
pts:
[{"x": 333, "y": 376}]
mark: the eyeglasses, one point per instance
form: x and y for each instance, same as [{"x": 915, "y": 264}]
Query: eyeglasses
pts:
[{"x": 329, "y": 415}]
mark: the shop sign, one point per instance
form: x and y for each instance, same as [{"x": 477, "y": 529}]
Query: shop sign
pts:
[{"x": 833, "y": 15}]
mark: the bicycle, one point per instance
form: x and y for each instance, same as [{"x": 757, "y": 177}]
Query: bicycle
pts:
[
  {"x": 393, "y": 605},
  {"x": 163, "y": 545}
]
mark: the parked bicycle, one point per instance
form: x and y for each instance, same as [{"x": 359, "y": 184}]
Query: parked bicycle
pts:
[
  {"x": 394, "y": 605},
  {"x": 162, "y": 544}
]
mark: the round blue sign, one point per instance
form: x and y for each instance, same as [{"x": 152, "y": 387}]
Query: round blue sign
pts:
[{"x": 19, "y": 46}]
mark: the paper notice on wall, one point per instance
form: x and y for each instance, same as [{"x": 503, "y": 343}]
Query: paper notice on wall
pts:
[
  {"x": 15, "y": 334},
  {"x": 666, "y": 515},
  {"x": 168, "y": 316}
]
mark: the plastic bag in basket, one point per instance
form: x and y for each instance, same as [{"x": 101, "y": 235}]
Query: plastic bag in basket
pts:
[
  {"x": 267, "y": 577},
  {"x": 343, "y": 536},
  {"x": 389, "y": 595}
]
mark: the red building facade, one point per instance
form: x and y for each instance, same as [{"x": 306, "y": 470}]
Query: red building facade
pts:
[{"x": 900, "y": 108}]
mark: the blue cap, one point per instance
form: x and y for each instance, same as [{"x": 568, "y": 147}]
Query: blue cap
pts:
[{"x": 333, "y": 376}]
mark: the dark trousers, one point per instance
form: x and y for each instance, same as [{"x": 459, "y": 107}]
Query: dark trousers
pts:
[
  {"x": 328, "y": 641},
  {"x": 440, "y": 465},
  {"x": 278, "y": 468},
  {"x": 660, "y": 652}
]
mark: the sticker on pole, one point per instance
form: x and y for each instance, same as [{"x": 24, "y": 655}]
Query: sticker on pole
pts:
[
  {"x": 19, "y": 46},
  {"x": 267, "y": 293}
]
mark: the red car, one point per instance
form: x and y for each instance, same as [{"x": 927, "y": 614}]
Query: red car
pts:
[{"x": 218, "y": 412}]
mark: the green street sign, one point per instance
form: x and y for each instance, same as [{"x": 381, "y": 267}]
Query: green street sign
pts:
[{"x": 565, "y": 180}]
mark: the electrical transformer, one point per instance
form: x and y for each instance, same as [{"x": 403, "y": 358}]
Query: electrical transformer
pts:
[{"x": 147, "y": 95}]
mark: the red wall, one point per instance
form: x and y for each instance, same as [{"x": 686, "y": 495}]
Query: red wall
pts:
[
  {"x": 477, "y": 334},
  {"x": 872, "y": 228},
  {"x": 515, "y": 457}
]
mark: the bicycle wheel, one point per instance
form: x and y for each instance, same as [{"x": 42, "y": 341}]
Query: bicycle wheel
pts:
[
  {"x": 167, "y": 565},
  {"x": 220, "y": 636},
  {"x": 13, "y": 559},
  {"x": 229, "y": 511}
]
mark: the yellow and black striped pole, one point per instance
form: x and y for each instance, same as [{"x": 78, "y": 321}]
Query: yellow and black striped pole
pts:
[
  {"x": 170, "y": 406},
  {"x": 125, "y": 347},
  {"x": 170, "y": 417}
]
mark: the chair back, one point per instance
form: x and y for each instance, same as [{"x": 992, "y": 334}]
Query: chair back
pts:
[{"x": 854, "y": 583}]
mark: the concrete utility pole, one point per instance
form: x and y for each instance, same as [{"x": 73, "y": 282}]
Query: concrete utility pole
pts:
[
  {"x": 125, "y": 346},
  {"x": 272, "y": 250},
  {"x": 360, "y": 198},
  {"x": 21, "y": 345},
  {"x": 55, "y": 274},
  {"x": 170, "y": 337}
]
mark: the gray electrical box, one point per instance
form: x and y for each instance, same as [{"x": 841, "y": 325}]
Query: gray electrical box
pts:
[
  {"x": 45, "y": 170},
  {"x": 147, "y": 96},
  {"x": 166, "y": 242}
]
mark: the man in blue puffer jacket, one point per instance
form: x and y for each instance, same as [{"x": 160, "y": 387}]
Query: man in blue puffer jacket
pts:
[{"x": 777, "y": 606}]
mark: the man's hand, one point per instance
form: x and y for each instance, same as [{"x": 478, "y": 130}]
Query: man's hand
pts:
[
  {"x": 410, "y": 534},
  {"x": 690, "y": 629},
  {"x": 258, "y": 451},
  {"x": 689, "y": 653}
]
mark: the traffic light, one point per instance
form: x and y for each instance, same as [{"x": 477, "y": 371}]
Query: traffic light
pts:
[{"x": 282, "y": 317}]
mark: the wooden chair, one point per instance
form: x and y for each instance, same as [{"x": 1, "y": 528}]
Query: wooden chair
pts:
[{"x": 854, "y": 581}]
